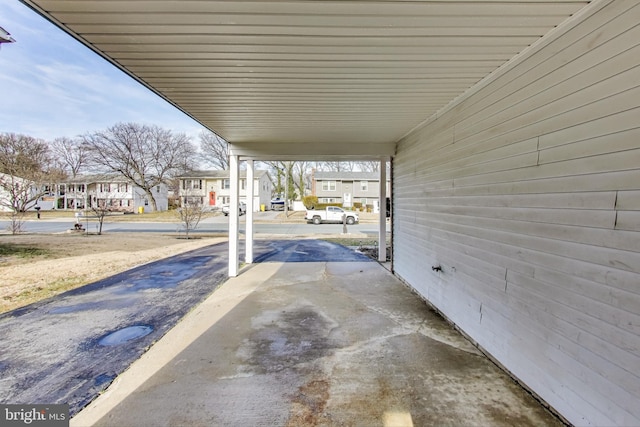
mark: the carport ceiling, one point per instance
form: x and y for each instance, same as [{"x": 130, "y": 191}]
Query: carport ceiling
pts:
[{"x": 352, "y": 76}]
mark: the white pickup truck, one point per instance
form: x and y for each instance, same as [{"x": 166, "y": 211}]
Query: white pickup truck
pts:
[
  {"x": 331, "y": 214},
  {"x": 242, "y": 209}
]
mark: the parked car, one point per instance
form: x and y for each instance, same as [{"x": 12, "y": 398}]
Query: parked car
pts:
[
  {"x": 242, "y": 208},
  {"x": 277, "y": 204},
  {"x": 331, "y": 214}
]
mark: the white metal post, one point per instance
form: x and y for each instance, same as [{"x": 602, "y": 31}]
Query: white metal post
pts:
[
  {"x": 382, "y": 239},
  {"x": 249, "y": 218},
  {"x": 233, "y": 215}
]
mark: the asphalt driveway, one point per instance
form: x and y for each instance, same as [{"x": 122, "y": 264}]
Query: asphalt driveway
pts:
[{"x": 68, "y": 348}]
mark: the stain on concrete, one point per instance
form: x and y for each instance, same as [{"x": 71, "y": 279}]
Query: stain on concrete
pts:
[
  {"x": 287, "y": 338},
  {"x": 307, "y": 405}
]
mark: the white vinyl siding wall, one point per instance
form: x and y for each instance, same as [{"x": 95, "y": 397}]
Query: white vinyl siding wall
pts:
[{"x": 527, "y": 193}]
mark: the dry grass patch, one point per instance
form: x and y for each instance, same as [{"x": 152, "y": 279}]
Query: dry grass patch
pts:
[{"x": 38, "y": 266}]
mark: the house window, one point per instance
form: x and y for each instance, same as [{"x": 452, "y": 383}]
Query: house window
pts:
[
  {"x": 243, "y": 183},
  {"x": 328, "y": 186},
  {"x": 189, "y": 184},
  {"x": 327, "y": 200},
  {"x": 122, "y": 187},
  {"x": 364, "y": 185},
  {"x": 158, "y": 188},
  {"x": 146, "y": 202},
  {"x": 226, "y": 184}
]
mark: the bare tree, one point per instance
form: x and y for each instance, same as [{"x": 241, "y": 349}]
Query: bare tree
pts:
[
  {"x": 145, "y": 155},
  {"x": 280, "y": 172},
  {"x": 368, "y": 166},
  {"x": 300, "y": 176},
  {"x": 25, "y": 169},
  {"x": 214, "y": 150},
  {"x": 100, "y": 209},
  {"x": 190, "y": 213},
  {"x": 72, "y": 154},
  {"x": 336, "y": 166}
]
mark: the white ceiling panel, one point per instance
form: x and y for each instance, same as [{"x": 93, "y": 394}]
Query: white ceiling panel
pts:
[{"x": 350, "y": 76}]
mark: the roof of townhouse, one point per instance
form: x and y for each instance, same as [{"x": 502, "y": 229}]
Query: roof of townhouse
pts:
[
  {"x": 348, "y": 176},
  {"x": 220, "y": 174},
  {"x": 102, "y": 177}
]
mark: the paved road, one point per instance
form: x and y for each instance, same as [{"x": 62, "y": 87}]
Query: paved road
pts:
[
  {"x": 69, "y": 348},
  {"x": 34, "y": 226}
]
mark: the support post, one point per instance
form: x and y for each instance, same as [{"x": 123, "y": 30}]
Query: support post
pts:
[
  {"x": 233, "y": 215},
  {"x": 249, "y": 214},
  {"x": 382, "y": 239}
]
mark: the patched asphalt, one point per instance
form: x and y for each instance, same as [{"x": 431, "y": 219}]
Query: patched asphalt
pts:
[{"x": 69, "y": 348}]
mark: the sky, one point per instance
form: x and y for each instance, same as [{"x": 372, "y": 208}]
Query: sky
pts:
[{"x": 53, "y": 86}]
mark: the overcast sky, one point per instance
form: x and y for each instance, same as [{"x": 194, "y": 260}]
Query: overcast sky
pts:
[{"x": 52, "y": 86}]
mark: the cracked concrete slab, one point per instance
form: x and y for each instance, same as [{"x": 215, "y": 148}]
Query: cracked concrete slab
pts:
[{"x": 314, "y": 344}]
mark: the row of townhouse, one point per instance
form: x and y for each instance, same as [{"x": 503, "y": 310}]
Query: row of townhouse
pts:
[
  {"x": 348, "y": 188},
  {"x": 211, "y": 188},
  {"x": 115, "y": 192},
  {"x": 89, "y": 191}
]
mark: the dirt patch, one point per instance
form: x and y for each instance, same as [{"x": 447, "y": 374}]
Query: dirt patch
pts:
[{"x": 38, "y": 266}]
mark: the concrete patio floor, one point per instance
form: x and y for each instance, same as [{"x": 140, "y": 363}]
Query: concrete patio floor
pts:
[{"x": 314, "y": 343}]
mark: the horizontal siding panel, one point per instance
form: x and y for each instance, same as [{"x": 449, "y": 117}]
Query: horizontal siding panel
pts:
[
  {"x": 556, "y": 101},
  {"x": 542, "y": 310},
  {"x": 585, "y": 367},
  {"x": 617, "y": 299},
  {"x": 452, "y": 260},
  {"x": 484, "y": 169},
  {"x": 595, "y": 255},
  {"x": 533, "y": 349},
  {"x": 473, "y": 156},
  {"x": 628, "y": 200},
  {"x": 594, "y": 83},
  {"x": 610, "y": 124},
  {"x": 619, "y": 239},
  {"x": 462, "y": 244},
  {"x": 612, "y": 283},
  {"x": 628, "y": 220},
  {"x": 627, "y": 160},
  {"x": 578, "y": 217},
  {"x": 547, "y": 121},
  {"x": 604, "y": 274},
  {"x": 620, "y": 141},
  {"x": 606, "y": 181},
  {"x": 575, "y": 49},
  {"x": 589, "y": 316},
  {"x": 592, "y": 200}
]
